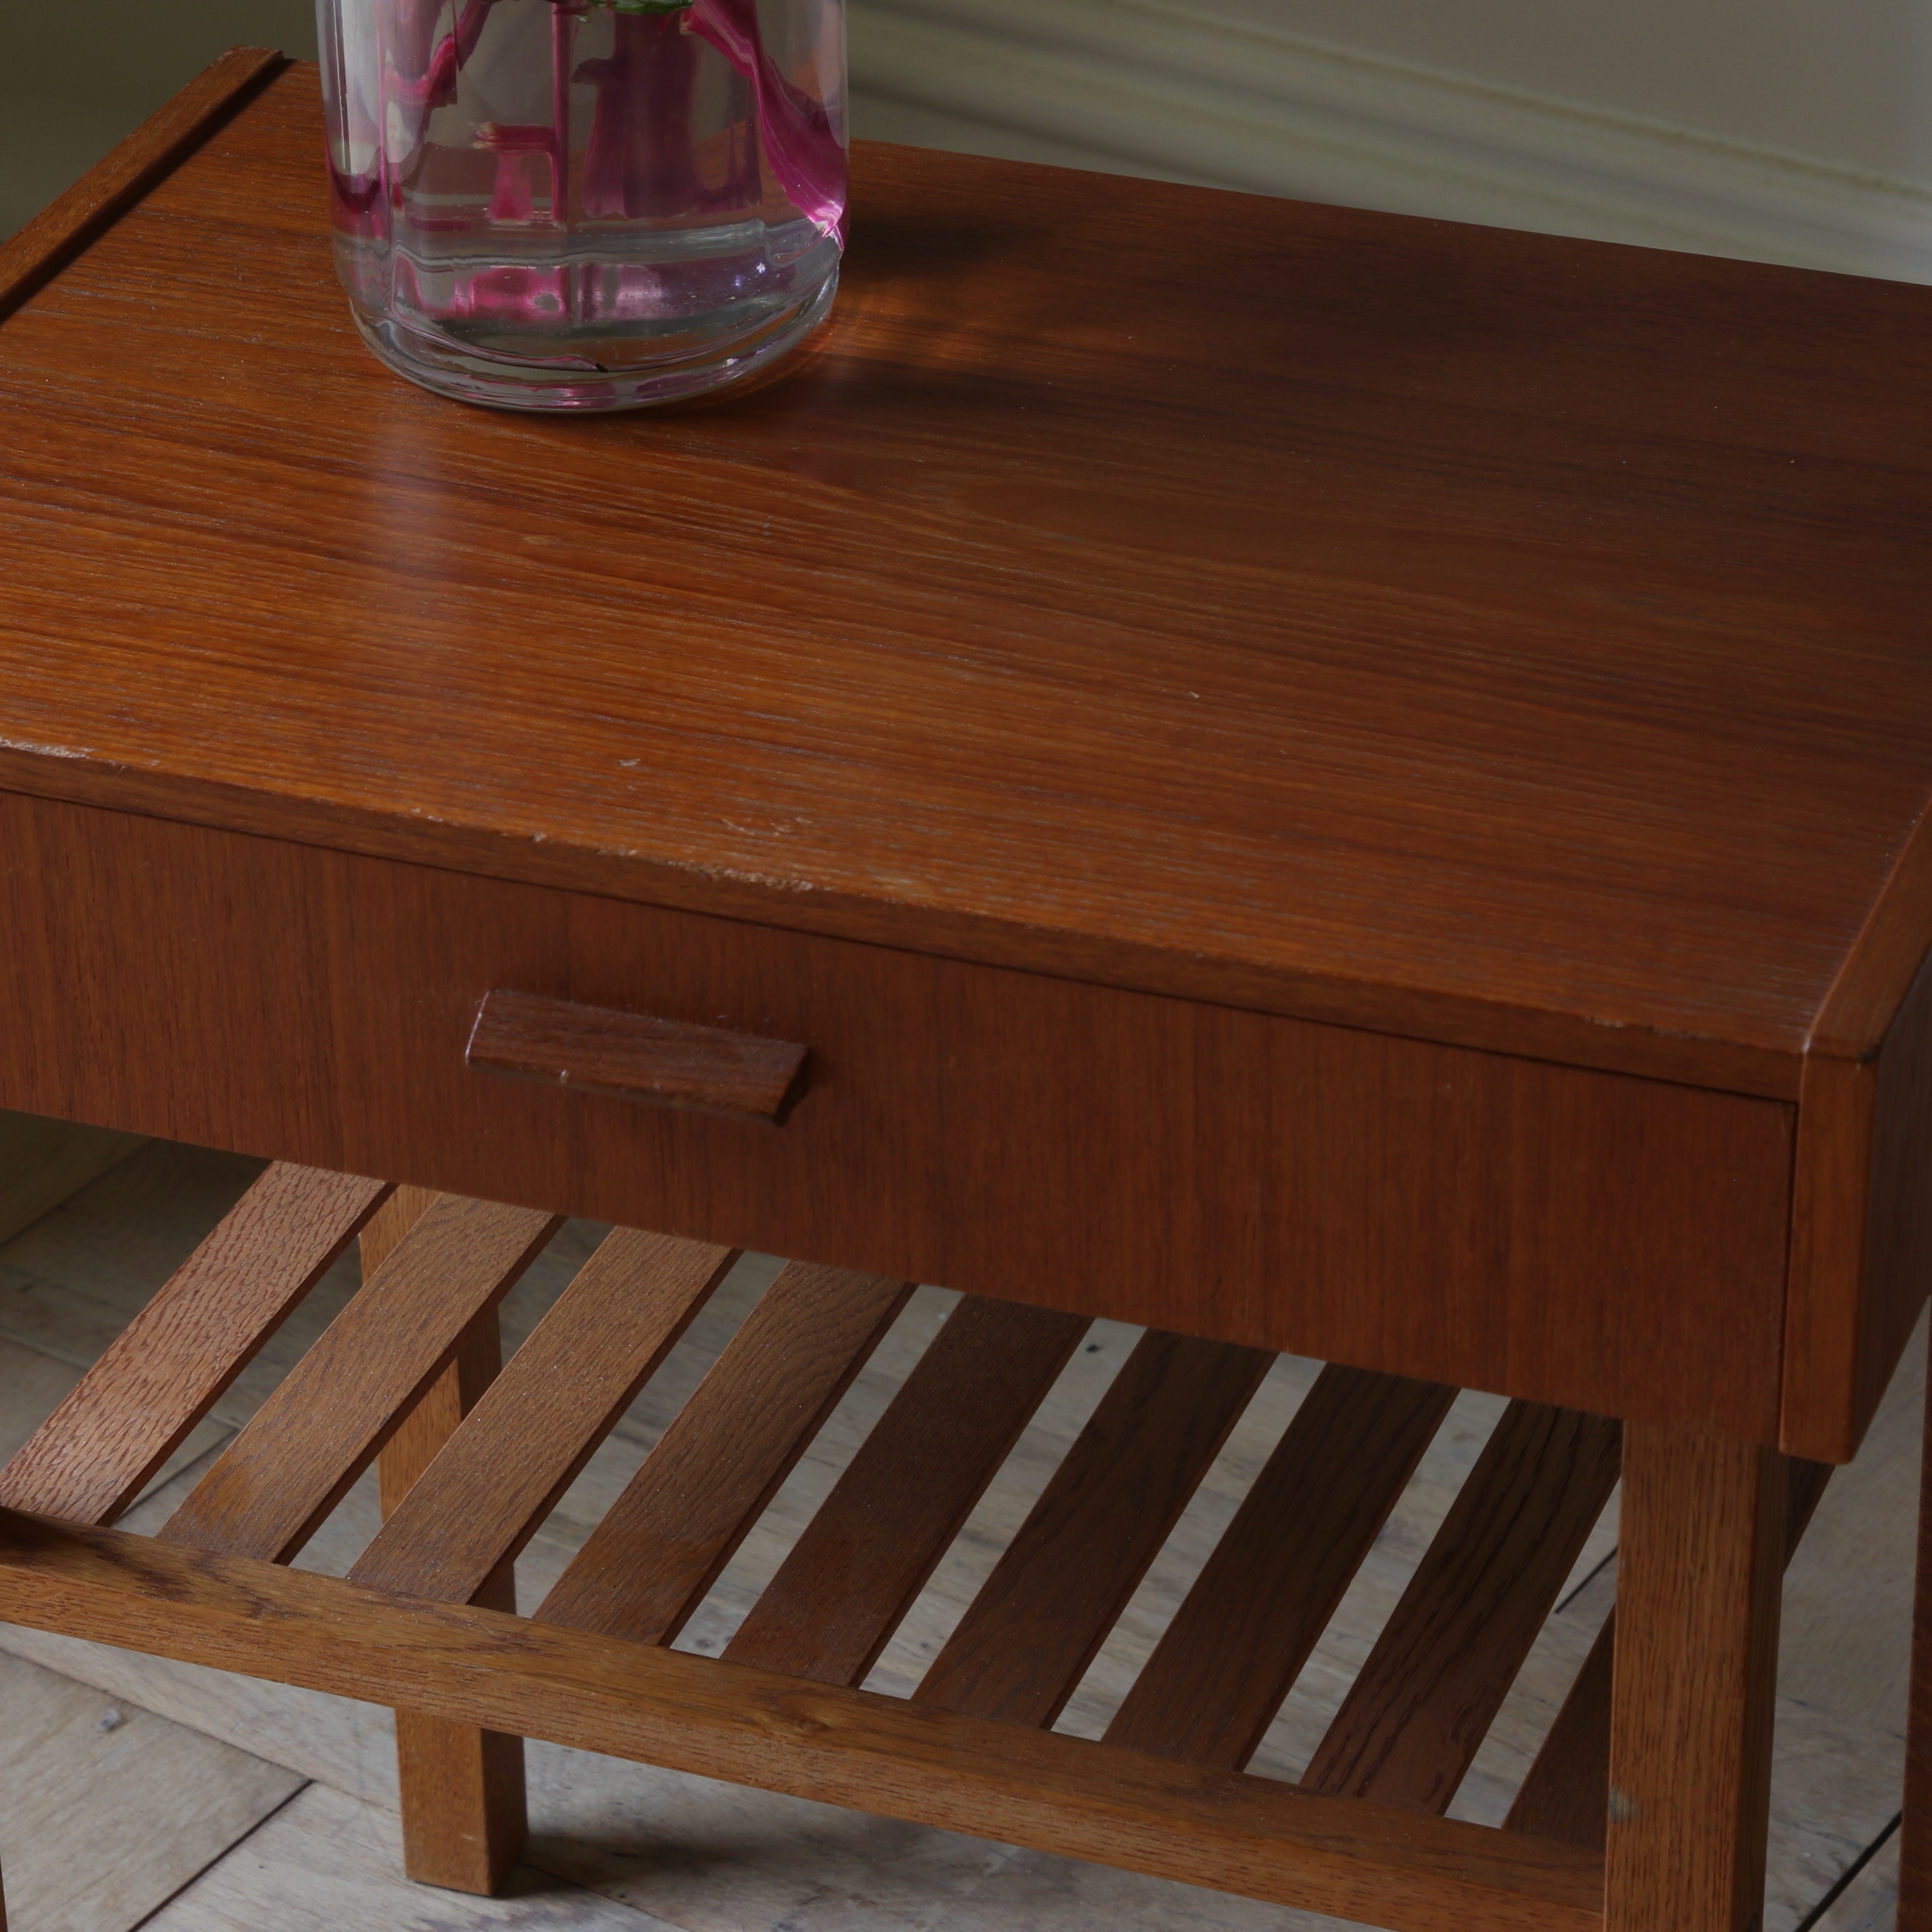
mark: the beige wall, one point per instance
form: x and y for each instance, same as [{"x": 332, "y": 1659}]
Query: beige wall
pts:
[
  {"x": 75, "y": 76},
  {"x": 1846, "y": 80},
  {"x": 1795, "y": 130},
  {"x": 1798, "y": 130}
]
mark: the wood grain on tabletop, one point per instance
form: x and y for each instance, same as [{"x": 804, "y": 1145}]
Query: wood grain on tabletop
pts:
[
  {"x": 1425, "y": 1698},
  {"x": 1561, "y": 692},
  {"x": 138, "y": 1402},
  {"x": 1027, "y": 1639},
  {"x": 460, "y": 1790},
  {"x": 1496, "y": 638},
  {"x": 1589, "y": 1239},
  {"x": 891, "y": 1516},
  {"x": 1700, "y": 1558},
  {"x": 1254, "y": 1614},
  {"x": 1067, "y": 1795},
  {"x": 660, "y": 1547},
  {"x": 563, "y": 1392},
  {"x": 330, "y": 1416}
]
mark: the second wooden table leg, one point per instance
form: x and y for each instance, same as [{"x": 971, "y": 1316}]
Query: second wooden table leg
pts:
[
  {"x": 1700, "y": 1563},
  {"x": 1915, "y": 1836},
  {"x": 461, "y": 1789}
]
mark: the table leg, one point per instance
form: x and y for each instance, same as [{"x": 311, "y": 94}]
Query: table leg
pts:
[
  {"x": 1700, "y": 1560},
  {"x": 1915, "y": 1831},
  {"x": 461, "y": 1789}
]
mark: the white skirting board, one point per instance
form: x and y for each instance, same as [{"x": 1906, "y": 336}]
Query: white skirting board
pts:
[{"x": 1139, "y": 88}]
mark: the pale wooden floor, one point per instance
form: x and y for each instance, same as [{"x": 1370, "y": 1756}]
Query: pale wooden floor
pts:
[{"x": 134, "y": 1793}]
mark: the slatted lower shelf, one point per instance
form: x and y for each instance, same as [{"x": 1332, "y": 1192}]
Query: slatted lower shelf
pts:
[
  {"x": 1362, "y": 1834},
  {"x": 1032, "y": 1787}
]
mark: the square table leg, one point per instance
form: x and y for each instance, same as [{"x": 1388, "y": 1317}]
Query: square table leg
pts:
[
  {"x": 1700, "y": 1562},
  {"x": 461, "y": 1789}
]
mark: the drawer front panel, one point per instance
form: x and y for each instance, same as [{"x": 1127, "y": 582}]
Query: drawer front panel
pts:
[{"x": 1584, "y": 1238}]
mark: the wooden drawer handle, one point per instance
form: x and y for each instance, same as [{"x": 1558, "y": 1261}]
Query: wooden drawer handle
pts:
[{"x": 635, "y": 1057}]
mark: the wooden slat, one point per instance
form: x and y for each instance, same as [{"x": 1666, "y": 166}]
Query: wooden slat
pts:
[
  {"x": 502, "y": 1472},
  {"x": 109, "y": 188},
  {"x": 135, "y": 1407},
  {"x": 1027, "y": 1639},
  {"x": 1701, "y": 1560},
  {"x": 866, "y": 1554},
  {"x": 1422, "y": 1702},
  {"x": 1062, "y": 1795},
  {"x": 322, "y": 1426},
  {"x": 645, "y": 1568},
  {"x": 1238, "y": 1642},
  {"x": 1566, "y": 1794},
  {"x": 460, "y": 1790}
]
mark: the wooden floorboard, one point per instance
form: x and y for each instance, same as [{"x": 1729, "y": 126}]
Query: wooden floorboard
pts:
[
  {"x": 1835, "y": 1660},
  {"x": 45, "y": 1162},
  {"x": 326, "y": 1863},
  {"x": 1869, "y": 1902},
  {"x": 106, "y": 1809}
]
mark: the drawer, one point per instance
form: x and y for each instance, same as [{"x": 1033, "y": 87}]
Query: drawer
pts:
[{"x": 1590, "y": 1239}]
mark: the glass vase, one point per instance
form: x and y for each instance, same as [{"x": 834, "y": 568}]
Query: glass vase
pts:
[{"x": 576, "y": 204}]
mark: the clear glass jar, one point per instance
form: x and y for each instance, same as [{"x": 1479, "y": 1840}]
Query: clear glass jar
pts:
[{"x": 585, "y": 204}]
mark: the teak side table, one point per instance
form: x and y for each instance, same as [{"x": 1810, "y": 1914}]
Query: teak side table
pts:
[{"x": 1307, "y": 780}]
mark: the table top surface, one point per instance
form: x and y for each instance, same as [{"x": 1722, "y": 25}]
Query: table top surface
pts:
[{"x": 1496, "y": 638}]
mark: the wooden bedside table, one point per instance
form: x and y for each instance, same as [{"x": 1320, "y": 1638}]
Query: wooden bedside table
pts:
[{"x": 1309, "y": 780}]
